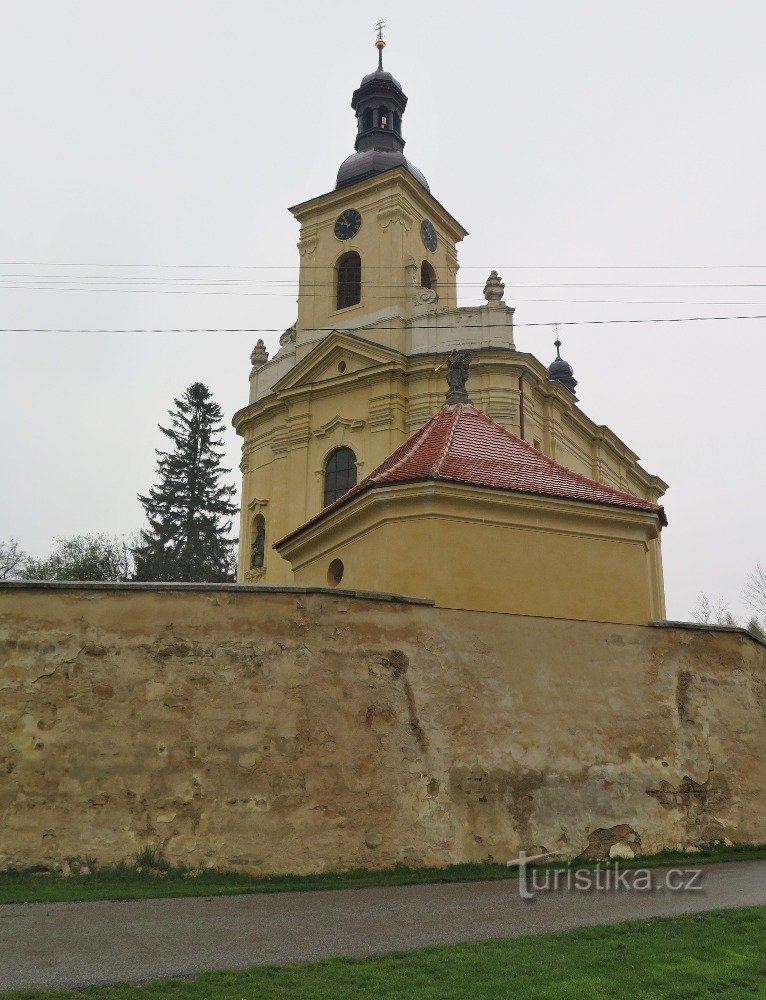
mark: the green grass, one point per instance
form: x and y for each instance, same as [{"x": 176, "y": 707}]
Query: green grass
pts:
[
  {"x": 719, "y": 954},
  {"x": 153, "y": 878}
]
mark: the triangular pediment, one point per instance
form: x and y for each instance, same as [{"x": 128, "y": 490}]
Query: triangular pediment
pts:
[{"x": 338, "y": 355}]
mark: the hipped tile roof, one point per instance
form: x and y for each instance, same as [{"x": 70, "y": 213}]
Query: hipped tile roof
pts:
[{"x": 461, "y": 444}]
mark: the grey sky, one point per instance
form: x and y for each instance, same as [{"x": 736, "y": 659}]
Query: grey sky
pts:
[{"x": 592, "y": 134}]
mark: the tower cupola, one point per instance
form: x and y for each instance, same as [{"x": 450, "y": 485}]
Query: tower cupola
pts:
[{"x": 379, "y": 103}]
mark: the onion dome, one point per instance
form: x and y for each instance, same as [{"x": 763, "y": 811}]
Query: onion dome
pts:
[
  {"x": 379, "y": 103},
  {"x": 560, "y": 371}
]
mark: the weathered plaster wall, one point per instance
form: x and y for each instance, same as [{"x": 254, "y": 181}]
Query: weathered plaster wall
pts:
[{"x": 289, "y": 731}]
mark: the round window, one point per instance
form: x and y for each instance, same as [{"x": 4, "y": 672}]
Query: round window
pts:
[{"x": 335, "y": 572}]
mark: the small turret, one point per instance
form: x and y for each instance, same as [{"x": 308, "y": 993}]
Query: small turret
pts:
[{"x": 560, "y": 371}]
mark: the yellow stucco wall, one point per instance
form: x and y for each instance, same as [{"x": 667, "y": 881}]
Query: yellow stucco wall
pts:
[
  {"x": 295, "y": 732},
  {"x": 487, "y": 550}
]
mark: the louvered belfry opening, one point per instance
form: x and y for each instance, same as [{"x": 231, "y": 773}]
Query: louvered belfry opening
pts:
[{"x": 349, "y": 280}]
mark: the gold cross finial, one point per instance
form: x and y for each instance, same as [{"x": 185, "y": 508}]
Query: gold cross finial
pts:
[{"x": 380, "y": 43}]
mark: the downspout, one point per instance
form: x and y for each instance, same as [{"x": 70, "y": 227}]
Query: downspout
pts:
[{"x": 521, "y": 407}]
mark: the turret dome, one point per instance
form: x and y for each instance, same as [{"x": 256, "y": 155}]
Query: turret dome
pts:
[{"x": 560, "y": 371}]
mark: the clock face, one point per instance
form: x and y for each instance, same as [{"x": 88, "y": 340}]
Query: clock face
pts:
[
  {"x": 347, "y": 224},
  {"x": 428, "y": 235}
]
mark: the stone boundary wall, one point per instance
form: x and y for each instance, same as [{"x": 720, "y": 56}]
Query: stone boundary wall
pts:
[{"x": 297, "y": 730}]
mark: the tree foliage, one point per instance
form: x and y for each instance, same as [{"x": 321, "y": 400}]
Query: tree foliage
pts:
[
  {"x": 189, "y": 509},
  {"x": 82, "y": 557},
  {"x": 12, "y": 559}
]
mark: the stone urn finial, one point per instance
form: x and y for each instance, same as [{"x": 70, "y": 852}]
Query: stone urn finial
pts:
[
  {"x": 259, "y": 355},
  {"x": 494, "y": 288}
]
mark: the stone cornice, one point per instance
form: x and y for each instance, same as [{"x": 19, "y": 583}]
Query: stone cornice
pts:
[{"x": 382, "y": 183}]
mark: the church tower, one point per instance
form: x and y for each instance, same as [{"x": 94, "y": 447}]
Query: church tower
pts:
[
  {"x": 380, "y": 245},
  {"x": 361, "y": 367}
]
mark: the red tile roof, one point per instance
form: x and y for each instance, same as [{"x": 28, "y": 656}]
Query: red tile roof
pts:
[{"x": 460, "y": 444}]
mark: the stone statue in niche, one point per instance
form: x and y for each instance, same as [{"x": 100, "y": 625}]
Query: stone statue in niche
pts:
[
  {"x": 458, "y": 367},
  {"x": 258, "y": 546}
]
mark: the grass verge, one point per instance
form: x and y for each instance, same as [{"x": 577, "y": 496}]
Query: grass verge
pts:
[
  {"x": 717, "y": 954},
  {"x": 151, "y": 877}
]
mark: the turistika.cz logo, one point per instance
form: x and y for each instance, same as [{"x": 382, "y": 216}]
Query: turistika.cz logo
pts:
[{"x": 600, "y": 878}]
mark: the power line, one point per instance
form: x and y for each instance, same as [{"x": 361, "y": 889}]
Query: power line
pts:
[
  {"x": 203, "y": 288},
  {"x": 515, "y": 300},
  {"x": 469, "y": 267},
  {"x": 334, "y": 329}
]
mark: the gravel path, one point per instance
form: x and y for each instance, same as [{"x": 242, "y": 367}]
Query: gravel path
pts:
[{"x": 47, "y": 945}]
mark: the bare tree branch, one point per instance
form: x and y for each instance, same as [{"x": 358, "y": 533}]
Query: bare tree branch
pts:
[
  {"x": 755, "y": 590},
  {"x": 12, "y": 559},
  {"x": 712, "y": 611}
]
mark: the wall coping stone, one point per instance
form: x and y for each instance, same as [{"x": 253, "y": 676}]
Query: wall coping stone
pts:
[
  {"x": 702, "y": 627},
  {"x": 268, "y": 588},
  {"x": 228, "y": 588}
]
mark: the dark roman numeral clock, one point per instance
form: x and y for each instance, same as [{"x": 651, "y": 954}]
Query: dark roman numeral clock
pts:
[{"x": 347, "y": 224}]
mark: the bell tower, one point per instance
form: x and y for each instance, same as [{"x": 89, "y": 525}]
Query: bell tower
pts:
[
  {"x": 379, "y": 247},
  {"x": 379, "y": 103}
]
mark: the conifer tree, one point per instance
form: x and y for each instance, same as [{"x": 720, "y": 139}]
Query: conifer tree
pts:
[{"x": 189, "y": 510}]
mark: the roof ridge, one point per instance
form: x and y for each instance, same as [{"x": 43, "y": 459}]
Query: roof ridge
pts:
[
  {"x": 448, "y": 443},
  {"x": 422, "y": 436}
]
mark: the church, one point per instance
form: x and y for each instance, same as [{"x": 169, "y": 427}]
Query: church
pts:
[
  {"x": 398, "y": 442},
  {"x": 448, "y": 640}
]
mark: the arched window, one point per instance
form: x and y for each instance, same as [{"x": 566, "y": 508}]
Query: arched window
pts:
[
  {"x": 258, "y": 544},
  {"x": 427, "y": 276},
  {"x": 397, "y": 123},
  {"x": 368, "y": 119},
  {"x": 339, "y": 474},
  {"x": 349, "y": 280},
  {"x": 384, "y": 117}
]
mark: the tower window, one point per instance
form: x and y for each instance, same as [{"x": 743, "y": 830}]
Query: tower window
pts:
[
  {"x": 397, "y": 123},
  {"x": 384, "y": 117},
  {"x": 348, "y": 280},
  {"x": 427, "y": 276},
  {"x": 339, "y": 474},
  {"x": 368, "y": 119}
]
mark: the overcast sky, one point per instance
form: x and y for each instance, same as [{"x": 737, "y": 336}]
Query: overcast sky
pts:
[{"x": 597, "y": 152}]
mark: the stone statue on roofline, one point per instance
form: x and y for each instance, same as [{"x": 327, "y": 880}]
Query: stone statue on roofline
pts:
[{"x": 458, "y": 367}]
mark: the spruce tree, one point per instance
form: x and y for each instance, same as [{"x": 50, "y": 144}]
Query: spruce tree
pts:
[{"x": 189, "y": 510}]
